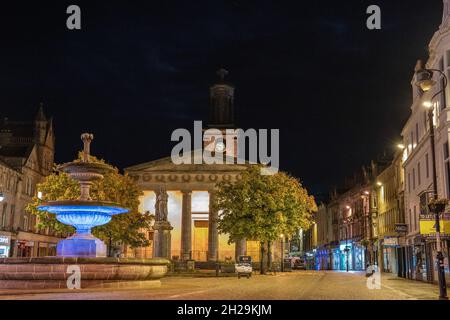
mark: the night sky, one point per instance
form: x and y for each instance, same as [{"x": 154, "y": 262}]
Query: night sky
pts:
[{"x": 338, "y": 92}]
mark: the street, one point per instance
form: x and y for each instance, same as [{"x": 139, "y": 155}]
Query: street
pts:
[{"x": 298, "y": 285}]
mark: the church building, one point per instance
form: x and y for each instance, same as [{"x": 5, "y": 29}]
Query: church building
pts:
[{"x": 180, "y": 194}]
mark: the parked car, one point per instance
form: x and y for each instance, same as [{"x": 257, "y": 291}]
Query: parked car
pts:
[
  {"x": 298, "y": 263},
  {"x": 244, "y": 266}
]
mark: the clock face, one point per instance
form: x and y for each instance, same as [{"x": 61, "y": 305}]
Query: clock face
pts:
[{"x": 220, "y": 147}]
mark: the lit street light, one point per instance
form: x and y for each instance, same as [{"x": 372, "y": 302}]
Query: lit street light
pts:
[{"x": 424, "y": 80}]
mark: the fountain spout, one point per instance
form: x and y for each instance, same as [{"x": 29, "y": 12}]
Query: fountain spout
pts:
[{"x": 87, "y": 139}]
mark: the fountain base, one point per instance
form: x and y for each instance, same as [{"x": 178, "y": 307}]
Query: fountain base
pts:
[
  {"x": 58, "y": 272},
  {"x": 81, "y": 245}
]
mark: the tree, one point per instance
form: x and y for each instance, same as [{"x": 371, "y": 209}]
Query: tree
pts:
[
  {"x": 128, "y": 228},
  {"x": 262, "y": 207}
]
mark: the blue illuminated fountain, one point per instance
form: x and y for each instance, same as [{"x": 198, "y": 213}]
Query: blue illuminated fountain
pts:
[{"x": 83, "y": 213}]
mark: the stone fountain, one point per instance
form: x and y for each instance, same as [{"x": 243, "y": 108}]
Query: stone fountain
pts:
[
  {"x": 83, "y": 213},
  {"x": 82, "y": 251}
]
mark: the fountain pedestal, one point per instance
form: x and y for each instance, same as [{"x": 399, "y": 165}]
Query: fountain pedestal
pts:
[{"x": 81, "y": 245}]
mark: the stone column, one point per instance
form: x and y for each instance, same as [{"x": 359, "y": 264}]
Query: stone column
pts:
[
  {"x": 240, "y": 248},
  {"x": 213, "y": 234},
  {"x": 186, "y": 226}
]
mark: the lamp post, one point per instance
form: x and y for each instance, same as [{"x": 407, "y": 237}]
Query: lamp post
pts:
[
  {"x": 346, "y": 244},
  {"x": 424, "y": 80}
]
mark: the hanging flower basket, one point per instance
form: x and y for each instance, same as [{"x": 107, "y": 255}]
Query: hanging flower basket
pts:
[{"x": 437, "y": 206}]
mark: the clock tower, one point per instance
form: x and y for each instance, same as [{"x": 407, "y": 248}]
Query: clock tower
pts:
[{"x": 221, "y": 118}]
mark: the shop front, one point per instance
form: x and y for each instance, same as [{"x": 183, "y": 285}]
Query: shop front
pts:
[
  {"x": 311, "y": 260},
  {"x": 351, "y": 255},
  {"x": 323, "y": 261},
  {"x": 5, "y": 245},
  {"x": 358, "y": 256},
  {"x": 335, "y": 258},
  {"x": 420, "y": 264},
  {"x": 346, "y": 256},
  {"x": 389, "y": 247}
]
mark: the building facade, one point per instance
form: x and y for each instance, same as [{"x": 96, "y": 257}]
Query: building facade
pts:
[
  {"x": 346, "y": 228},
  {"x": 26, "y": 157},
  {"x": 391, "y": 218},
  {"x": 189, "y": 229},
  {"x": 421, "y": 250}
]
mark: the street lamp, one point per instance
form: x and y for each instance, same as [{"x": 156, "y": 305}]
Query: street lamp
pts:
[
  {"x": 347, "y": 249},
  {"x": 2, "y": 197},
  {"x": 424, "y": 80}
]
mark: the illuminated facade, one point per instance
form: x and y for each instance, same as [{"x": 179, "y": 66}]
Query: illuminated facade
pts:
[
  {"x": 417, "y": 156},
  {"x": 391, "y": 215},
  {"x": 346, "y": 227},
  {"x": 26, "y": 157},
  {"x": 190, "y": 189}
]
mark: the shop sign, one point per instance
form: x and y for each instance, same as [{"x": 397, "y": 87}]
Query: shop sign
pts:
[
  {"x": 401, "y": 228},
  {"x": 427, "y": 225},
  {"x": 4, "y": 240}
]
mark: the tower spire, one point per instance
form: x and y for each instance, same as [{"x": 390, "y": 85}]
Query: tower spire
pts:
[
  {"x": 40, "y": 116},
  {"x": 446, "y": 11},
  {"x": 221, "y": 102}
]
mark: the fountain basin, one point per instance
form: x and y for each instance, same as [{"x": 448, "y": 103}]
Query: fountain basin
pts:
[
  {"x": 53, "y": 272},
  {"x": 83, "y": 215}
]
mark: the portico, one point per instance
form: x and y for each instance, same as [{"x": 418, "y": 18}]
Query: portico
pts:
[{"x": 191, "y": 223}]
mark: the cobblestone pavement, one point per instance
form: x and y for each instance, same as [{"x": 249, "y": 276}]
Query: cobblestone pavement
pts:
[{"x": 298, "y": 285}]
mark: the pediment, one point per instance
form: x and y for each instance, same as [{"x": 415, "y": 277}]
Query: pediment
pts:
[{"x": 167, "y": 165}]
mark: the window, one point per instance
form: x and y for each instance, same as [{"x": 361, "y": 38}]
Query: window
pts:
[
  {"x": 418, "y": 174},
  {"x": 414, "y": 178},
  {"x": 447, "y": 168},
  {"x": 412, "y": 139},
  {"x": 410, "y": 220},
  {"x": 25, "y": 223},
  {"x": 442, "y": 83},
  {"x": 409, "y": 182},
  {"x": 417, "y": 133},
  {"x": 415, "y": 218},
  {"x": 5, "y": 206},
  {"x": 424, "y": 197},
  {"x": 427, "y": 166},
  {"x": 13, "y": 209}
]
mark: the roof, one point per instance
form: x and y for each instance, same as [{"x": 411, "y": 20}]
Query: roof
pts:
[
  {"x": 166, "y": 164},
  {"x": 17, "y": 128},
  {"x": 15, "y": 151}
]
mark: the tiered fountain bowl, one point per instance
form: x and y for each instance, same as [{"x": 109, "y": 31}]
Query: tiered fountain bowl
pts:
[
  {"x": 82, "y": 249},
  {"x": 83, "y": 213}
]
